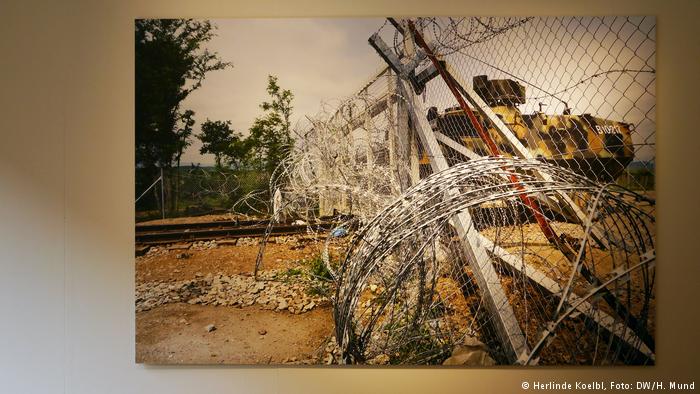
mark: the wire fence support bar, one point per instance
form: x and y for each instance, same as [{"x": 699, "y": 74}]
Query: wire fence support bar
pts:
[
  {"x": 162, "y": 193},
  {"x": 160, "y": 178},
  {"x": 506, "y": 325},
  {"x": 456, "y": 146},
  {"x": 601, "y": 318}
]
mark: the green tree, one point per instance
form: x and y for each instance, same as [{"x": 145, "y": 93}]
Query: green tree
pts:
[
  {"x": 225, "y": 144},
  {"x": 171, "y": 63},
  {"x": 183, "y": 134},
  {"x": 270, "y": 135}
]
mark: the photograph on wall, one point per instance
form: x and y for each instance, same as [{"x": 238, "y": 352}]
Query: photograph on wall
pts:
[{"x": 458, "y": 191}]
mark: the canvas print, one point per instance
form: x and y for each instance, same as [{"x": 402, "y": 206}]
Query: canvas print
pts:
[{"x": 445, "y": 191}]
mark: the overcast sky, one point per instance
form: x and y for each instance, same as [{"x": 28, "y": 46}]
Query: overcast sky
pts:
[
  {"x": 324, "y": 60},
  {"x": 317, "y": 59}
]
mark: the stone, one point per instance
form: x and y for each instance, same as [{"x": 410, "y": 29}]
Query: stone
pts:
[
  {"x": 210, "y": 328},
  {"x": 233, "y": 290},
  {"x": 470, "y": 353},
  {"x": 373, "y": 288},
  {"x": 381, "y": 359},
  {"x": 259, "y": 286},
  {"x": 262, "y": 331},
  {"x": 180, "y": 246}
]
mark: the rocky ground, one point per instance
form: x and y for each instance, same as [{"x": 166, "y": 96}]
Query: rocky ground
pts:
[
  {"x": 277, "y": 290},
  {"x": 200, "y": 303}
]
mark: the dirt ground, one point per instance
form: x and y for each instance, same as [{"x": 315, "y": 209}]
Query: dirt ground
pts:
[
  {"x": 225, "y": 259},
  {"x": 176, "y": 334}
]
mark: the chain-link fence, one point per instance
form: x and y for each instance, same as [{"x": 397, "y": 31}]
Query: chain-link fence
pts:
[
  {"x": 196, "y": 190},
  {"x": 577, "y": 91},
  {"x": 491, "y": 165}
]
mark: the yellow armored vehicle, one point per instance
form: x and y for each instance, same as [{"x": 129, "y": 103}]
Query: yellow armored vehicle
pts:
[{"x": 595, "y": 147}]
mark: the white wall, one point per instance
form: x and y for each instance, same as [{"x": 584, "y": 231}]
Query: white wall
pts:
[{"x": 66, "y": 216}]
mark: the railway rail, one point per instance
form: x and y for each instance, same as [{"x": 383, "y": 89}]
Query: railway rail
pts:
[{"x": 155, "y": 234}]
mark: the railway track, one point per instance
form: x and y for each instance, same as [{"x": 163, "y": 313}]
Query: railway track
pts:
[{"x": 190, "y": 232}]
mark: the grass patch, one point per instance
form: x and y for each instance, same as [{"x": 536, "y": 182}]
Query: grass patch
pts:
[
  {"x": 318, "y": 269},
  {"x": 321, "y": 289},
  {"x": 289, "y": 274}
]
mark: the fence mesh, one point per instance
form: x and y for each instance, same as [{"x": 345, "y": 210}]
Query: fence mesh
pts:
[
  {"x": 502, "y": 171},
  {"x": 196, "y": 190},
  {"x": 599, "y": 71}
]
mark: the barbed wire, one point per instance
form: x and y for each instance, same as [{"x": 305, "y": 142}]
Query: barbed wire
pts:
[
  {"x": 569, "y": 246},
  {"x": 400, "y": 290}
]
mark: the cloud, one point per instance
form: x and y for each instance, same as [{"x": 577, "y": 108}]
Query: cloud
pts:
[{"x": 317, "y": 59}]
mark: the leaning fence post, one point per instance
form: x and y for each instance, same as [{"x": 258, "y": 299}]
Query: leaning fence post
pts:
[
  {"x": 162, "y": 193},
  {"x": 506, "y": 325}
]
